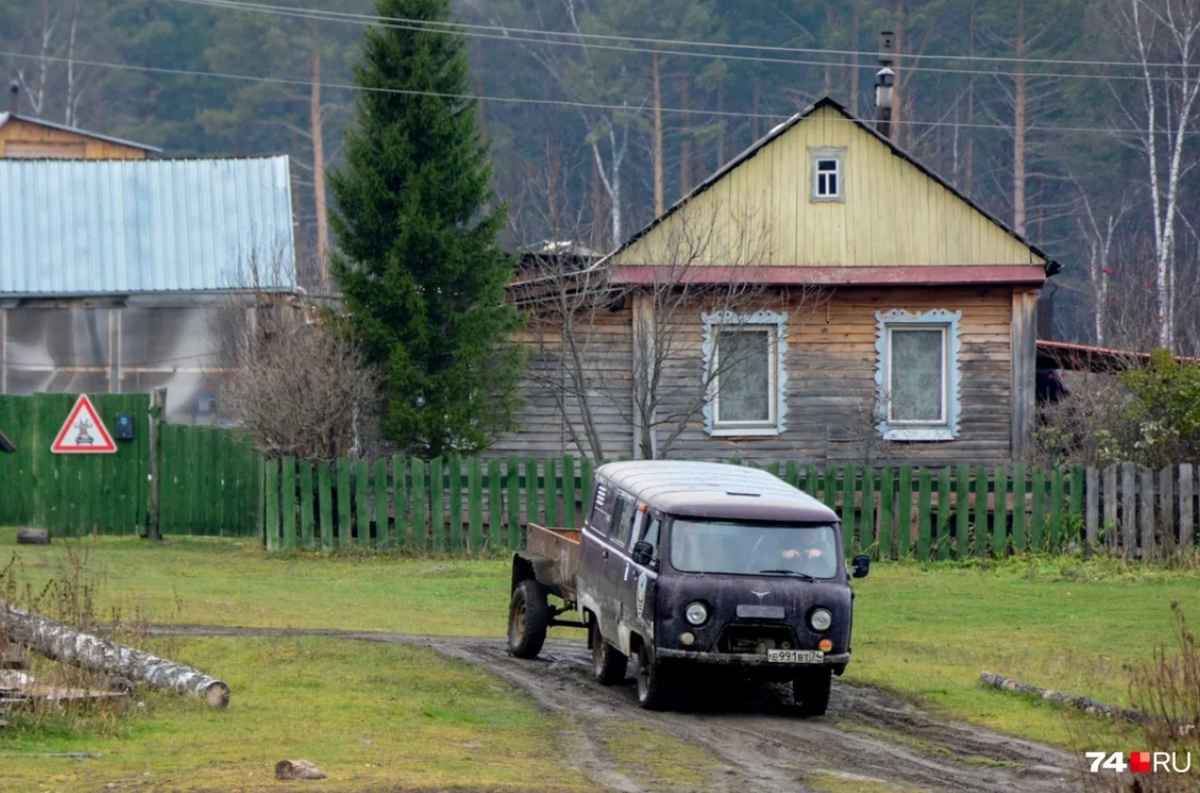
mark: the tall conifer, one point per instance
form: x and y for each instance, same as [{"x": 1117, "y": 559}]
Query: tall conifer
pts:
[{"x": 418, "y": 255}]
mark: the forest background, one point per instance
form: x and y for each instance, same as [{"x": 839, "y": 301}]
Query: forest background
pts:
[{"x": 1074, "y": 121}]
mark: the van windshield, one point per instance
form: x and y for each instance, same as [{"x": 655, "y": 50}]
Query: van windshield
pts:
[{"x": 700, "y": 546}]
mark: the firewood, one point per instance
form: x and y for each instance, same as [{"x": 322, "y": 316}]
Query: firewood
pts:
[
  {"x": 33, "y": 536},
  {"x": 61, "y": 643},
  {"x": 297, "y": 769}
]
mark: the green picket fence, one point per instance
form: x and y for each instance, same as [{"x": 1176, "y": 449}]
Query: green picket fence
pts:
[
  {"x": 210, "y": 482},
  {"x": 443, "y": 505},
  {"x": 72, "y": 494},
  {"x": 901, "y": 512}
]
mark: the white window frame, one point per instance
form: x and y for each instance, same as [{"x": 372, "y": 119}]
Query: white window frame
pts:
[
  {"x": 775, "y": 323},
  {"x": 837, "y": 155},
  {"x": 946, "y": 427}
]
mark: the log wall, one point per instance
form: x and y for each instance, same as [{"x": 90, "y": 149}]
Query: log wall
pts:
[{"x": 831, "y": 362}]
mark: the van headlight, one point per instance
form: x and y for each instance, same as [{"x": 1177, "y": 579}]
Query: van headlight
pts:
[
  {"x": 697, "y": 613},
  {"x": 820, "y": 620}
]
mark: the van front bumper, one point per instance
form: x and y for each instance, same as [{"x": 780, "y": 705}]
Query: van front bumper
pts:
[{"x": 837, "y": 660}]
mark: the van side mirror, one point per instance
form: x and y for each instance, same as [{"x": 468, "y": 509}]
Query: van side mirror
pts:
[
  {"x": 861, "y": 565},
  {"x": 643, "y": 552}
]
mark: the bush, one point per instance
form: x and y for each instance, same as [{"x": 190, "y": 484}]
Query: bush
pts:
[{"x": 1165, "y": 409}]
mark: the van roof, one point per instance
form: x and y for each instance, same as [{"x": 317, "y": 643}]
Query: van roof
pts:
[{"x": 715, "y": 490}]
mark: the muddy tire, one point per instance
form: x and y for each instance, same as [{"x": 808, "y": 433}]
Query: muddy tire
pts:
[
  {"x": 528, "y": 619},
  {"x": 608, "y": 663},
  {"x": 810, "y": 690},
  {"x": 652, "y": 691}
]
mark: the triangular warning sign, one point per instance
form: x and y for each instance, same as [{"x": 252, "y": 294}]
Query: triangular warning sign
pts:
[{"x": 83, "y": 432}]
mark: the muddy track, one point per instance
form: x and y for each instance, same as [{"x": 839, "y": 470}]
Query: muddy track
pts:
[{"x": 867, "y": 735}]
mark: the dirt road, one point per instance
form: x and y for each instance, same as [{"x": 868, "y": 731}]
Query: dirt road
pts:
[{"x": 868, "y": 740}]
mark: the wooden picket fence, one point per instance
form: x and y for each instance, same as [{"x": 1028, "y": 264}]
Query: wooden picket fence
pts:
[
  {"x": 210, "y": 482},
  {"x": 950, "y": 513}
]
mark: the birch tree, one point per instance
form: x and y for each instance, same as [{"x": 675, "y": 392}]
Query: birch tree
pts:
[{"x": 1163, "y": 37}]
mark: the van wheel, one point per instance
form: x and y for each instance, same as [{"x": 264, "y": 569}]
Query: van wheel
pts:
[
  {"x": 528, "y": 619},
  {"x": 651, "y": 688},
  {"x": 810, "y": 690},
  {"x": 608, "y": 663}
]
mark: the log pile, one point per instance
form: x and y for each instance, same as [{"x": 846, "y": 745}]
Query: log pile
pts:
[{"x": 66, "y": 645}]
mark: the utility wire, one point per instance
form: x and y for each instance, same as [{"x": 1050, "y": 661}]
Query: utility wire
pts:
[
  {"x": 502, "y": 33},
  {"x": 624, "y": 108}
]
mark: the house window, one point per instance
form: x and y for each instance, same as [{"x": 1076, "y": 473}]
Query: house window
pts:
[
  {"x": 746, "y": 379},
  {"x": 918, "y": 375},
  {"x": 828, "y": 179}
]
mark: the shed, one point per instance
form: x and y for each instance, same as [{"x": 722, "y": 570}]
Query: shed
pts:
[
  {"x": 26, "y": 137},
  {"x": 114, "y": 274}
]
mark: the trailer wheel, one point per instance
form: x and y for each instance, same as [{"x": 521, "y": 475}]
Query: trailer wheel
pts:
[
  {"x": 608, "y": 663},
  {"x": 528, "y": 619},
  {"x": 810, "y": 690}
]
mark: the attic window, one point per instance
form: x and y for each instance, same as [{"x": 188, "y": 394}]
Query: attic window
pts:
[{"x": 828, "y": 174}]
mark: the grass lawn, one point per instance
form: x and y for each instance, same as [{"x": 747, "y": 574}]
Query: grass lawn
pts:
[
  {"x": 923, "y": 631},
  {"x": 371, "y": 716}
]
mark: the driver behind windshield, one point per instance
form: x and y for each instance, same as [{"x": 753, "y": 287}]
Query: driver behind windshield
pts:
[{"x": 805, "y": 551}]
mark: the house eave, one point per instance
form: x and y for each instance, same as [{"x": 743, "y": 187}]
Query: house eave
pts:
[{"x": 890, "y": 275}]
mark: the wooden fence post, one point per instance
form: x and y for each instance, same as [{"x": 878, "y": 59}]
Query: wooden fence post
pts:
[
  {"x": 1111, "y": 530},
  {"x": 887, "y": 512},
  {"x": 1020, "y": 529},
  {"x": 419, "y": 531},
  {"x": 306, "y": 504},
  {"x": 1186, "y": 493},
  {"x": 325, "y": 497},
  {"x": 1092, "y": 488},
  {"x": 382, "y": 534},
  {"x": 981, "y": 512},
  {"x": 1129, "y": 511},
  {"x": 158, "y": 406},
  {"x": 866, "y": 527},
  {"x": 849, "y": 488},
  {"x": 1146, "y": 522},
  {"x": 475, "y": 510},
  {"x": 514, "y": 503},
  {"x": 271, "y": 489},
  {"x": 568, "y": 496},
  {"x": 345, "y": 514},
  {"x": 456, "y": 502},
  {"x": 1000, "y": 513},
  {"x": 924, "y": 519},
  {"x": 904, "y": 513},
  {"x": 943, "y": 514},
  {"x": 400, "y": 500},
  {"x": 495, "y": 533},
  {"x": 1166, "y": 509}
]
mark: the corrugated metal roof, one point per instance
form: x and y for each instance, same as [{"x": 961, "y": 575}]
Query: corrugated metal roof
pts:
[
  {"x": 5, "y": 117},
  {"x": 78, "y": 227}
]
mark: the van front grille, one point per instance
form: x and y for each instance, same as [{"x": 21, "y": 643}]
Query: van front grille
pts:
[{"x": 755, "y": 639}]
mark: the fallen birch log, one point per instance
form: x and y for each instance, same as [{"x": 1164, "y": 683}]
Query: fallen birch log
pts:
[
  {"x": 1086, "y": 704},
  {"x": 33, "y": 536},
  {"x": 67, "y": 645}
]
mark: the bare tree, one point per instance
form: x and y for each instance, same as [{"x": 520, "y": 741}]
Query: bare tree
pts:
[
  {"x": 660, "y": 377},
  {"x": 299, "y": 387},
  {"x": 1163, "y": 37}
]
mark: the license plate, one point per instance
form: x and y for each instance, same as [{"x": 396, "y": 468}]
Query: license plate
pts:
[{"x": 795, "y": 656}]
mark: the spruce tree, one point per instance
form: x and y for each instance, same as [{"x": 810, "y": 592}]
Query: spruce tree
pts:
[{"x": 418, "y": 255}]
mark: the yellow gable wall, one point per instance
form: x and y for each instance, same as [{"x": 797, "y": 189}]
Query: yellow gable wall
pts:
[
  {"x": 19, "y": 132},
  {"x": 893, "y": 214}
]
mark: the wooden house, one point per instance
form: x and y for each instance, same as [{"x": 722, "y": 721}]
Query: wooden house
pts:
[
  {"x": 24, "y": 137},
  {"x": 864, "y": 308}
]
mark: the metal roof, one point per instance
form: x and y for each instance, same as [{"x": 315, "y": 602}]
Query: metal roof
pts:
[
  {"x": 715, "y": 490},
  {"x": 6, "y": 117},
  {"x": 83, "y": 227}
]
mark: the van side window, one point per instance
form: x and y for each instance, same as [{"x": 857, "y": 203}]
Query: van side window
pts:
[
  {"x": 623, "y": 529},
  {"x": 602, "y": 506},
  {"x": 614, "y": 522},
  {"x": 651, "y": 535}
]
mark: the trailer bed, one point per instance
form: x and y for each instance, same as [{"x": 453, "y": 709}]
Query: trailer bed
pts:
[{"x": 561, "y": 548}]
